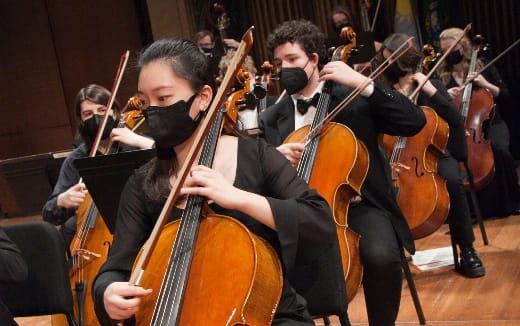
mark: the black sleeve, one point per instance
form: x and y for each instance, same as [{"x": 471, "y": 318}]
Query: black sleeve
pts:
[
  {"x": 393, "y": 113},
  {"x": 13, "y": 267},
  {"x": 68, "y": 177},
  {"x": 303, "y": 218},
  {"x": 493, "y": 76},
  {"x": 443, "y": 105},
  {"x": 132, "y": 230}
]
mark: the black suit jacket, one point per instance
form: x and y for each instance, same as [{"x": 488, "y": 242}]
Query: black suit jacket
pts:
[{"x": 385, "y": 111}]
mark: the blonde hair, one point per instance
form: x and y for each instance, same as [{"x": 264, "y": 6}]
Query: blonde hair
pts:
[
  {"x": 454, "y": 33},
  {"x": 249, "y": 64}
]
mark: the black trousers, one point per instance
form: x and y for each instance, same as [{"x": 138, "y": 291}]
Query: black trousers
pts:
[
  {"x": 459, "y": 218},
  {"x": 380, "y": 253}
]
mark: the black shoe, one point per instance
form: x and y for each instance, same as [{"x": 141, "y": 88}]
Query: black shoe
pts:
[{"x": 470, "y": 264}]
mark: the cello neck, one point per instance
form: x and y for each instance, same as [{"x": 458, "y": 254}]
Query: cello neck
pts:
[
  {"x": 176, "y": 275},
  {"x": 342, "y": 53},
  {"x": 466, "y": 96},
  {"x": 306, "y": 162}
]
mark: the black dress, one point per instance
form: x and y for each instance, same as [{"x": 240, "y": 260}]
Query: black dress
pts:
[{"x": 303, "y": 220}]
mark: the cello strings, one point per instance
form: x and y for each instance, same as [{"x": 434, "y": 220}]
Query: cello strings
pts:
[{"x": 189, "y": 224}]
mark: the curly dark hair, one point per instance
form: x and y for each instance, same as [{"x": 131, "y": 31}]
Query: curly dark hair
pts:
[{"x": 303, "y": 32}]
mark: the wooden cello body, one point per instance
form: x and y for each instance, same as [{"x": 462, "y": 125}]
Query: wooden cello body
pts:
[
  {"x": 422, "y": 193},
  {"x": 234, "y": 277},
  {"x": 480, "y": 154},
  {"x": 339, "y": 169},
  {"x": 477, "y": 107},
  {"x": 89, "y": 250}
]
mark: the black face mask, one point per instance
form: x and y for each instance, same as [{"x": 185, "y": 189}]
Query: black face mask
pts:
[
  {"x": 393, "y": 73},
  {"x": 294, "y": 79},
  {"x": 454, "y": 57},
  {"x": 207, "y": 51},
  {"x": 171, "y": 125},
  {"x": 91, "y": 126}
]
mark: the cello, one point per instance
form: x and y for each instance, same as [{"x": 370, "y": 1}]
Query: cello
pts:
[
  {"x": 413, "y": 162},
  {"x": 91, "y": 243},
  {"x": 190, "y": 257},
  {"x": 477, "y": 107},
  {"x": 337, "y": 175}
]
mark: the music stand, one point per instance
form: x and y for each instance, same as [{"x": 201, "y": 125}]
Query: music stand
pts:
[{"x": 106, "y": 175}]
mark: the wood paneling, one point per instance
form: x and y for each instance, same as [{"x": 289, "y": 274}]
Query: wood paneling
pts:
[
  {"x": 89, "y": 38},
  {"x": 50, "y": 49},
  {"x": 32, "y": 97}
]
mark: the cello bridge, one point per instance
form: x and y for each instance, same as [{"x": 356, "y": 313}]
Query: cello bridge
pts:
[{"x": 399, "y": 167}]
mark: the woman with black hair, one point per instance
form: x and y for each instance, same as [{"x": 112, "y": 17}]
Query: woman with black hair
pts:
[{"x": 248, "y": 180}]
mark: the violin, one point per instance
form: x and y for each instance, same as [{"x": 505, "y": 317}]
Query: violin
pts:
[
  {"x": 335, "y": 163},
  {"x": 131, "y": 117},
  {"x": 477, "y": 107},
  {"x": 191, "y": 257},
  {"x": 239, "y": 100}
]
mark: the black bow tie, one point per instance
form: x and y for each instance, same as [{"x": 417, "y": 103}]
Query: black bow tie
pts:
[{"x": 303, "y": 105}]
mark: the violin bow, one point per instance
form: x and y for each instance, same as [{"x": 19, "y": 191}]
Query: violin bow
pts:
[
  {"x": 413, "y": 97},
  {"x": 405, "y": 46},
  {"x": 219, "y": 99}
]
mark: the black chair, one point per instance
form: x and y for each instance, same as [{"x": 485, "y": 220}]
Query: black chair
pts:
[
  {"x": 413, "y": 290},
  {"x": 47, "y": 289}
]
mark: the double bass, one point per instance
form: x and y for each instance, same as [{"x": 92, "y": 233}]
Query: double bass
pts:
[
  {"x": 335, "y": 163},
  {"x": 191, "y": 257},
  {"x": 477, "y": 107},
  {"x": 413, "y": 162}
]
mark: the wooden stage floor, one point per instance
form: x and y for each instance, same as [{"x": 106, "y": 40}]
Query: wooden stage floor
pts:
[{"x": 448, "y": 298}]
